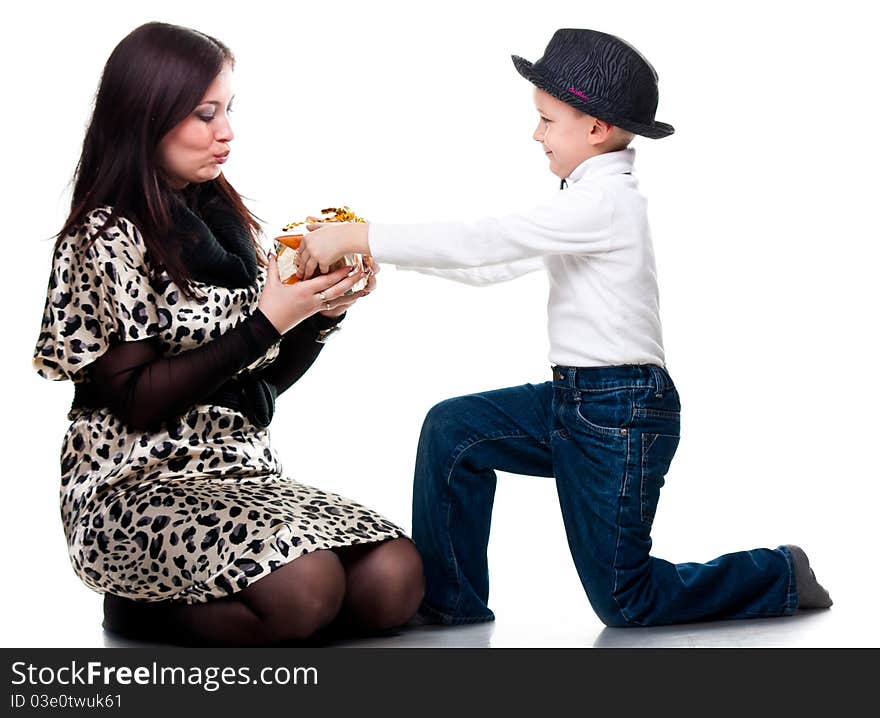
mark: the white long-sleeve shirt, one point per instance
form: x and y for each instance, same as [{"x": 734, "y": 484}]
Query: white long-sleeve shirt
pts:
[{"x": 594, "y": 241}]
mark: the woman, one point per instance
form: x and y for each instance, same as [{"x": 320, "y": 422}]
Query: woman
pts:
[{"x": 178, "y": 335}]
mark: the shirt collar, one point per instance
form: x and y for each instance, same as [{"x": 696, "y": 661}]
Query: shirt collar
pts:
[{"x": 608, "y": 163}]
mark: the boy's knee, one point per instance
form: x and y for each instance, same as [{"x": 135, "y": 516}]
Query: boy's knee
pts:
[
  {"x": 443, "y": 429},
  {"x": 445, "y": 417},
  {"x": 615, "y": 619},
  {"x": 611, "y": 611}
]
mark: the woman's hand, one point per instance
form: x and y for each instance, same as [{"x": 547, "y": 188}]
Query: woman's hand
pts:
[
  {"x": 328, "y": 242},
  {"x": 286, "y": 305},
  {"x": 342, "y": 307}
]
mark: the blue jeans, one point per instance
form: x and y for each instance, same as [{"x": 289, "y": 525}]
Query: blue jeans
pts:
[{"x": 607, "y": 435}]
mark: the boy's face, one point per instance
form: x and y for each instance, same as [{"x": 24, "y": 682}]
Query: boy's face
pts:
[{"x": 564, "y": 133}]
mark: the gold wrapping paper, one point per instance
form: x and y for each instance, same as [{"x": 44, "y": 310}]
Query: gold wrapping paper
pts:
[{"x": 287, "y": 246}]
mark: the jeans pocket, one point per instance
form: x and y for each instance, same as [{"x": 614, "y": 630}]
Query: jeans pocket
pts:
[
  {"x": 657, "y": 453},
  {"x": 605, "y": 412},
  {"x": 665, "y": 404}
]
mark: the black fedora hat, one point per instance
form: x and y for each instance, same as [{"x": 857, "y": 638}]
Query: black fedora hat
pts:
[{"x": 601, "y": 75}]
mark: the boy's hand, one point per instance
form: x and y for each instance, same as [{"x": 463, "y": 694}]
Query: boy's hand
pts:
[
  {"x": 345, "y": 303},
  {"x": 329, "y": 242}
]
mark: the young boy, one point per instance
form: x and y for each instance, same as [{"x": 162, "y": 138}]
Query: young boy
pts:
[{"x": 607, "y": 425}]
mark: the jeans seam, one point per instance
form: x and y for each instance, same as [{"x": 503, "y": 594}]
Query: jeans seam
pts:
[
  {"x": 449, "y": 506},
  {"x": 642, "y": 485},
  {"x": 617, "y": 541},
  {"x": 791, "y": 598},
  {"x": 645, "y": 448},
  {"x": 625, "y": 478},
  {"x": 452, "y": 550},
  {"x": 605, "y": 388}
]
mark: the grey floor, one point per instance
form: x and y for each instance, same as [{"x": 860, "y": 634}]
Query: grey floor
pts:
[
  {"x": 543, "y": 608},
  {"x": 806, "y": 629},
  {"x": 551, "y": 611},
  {"x": 534, "y": 615}
]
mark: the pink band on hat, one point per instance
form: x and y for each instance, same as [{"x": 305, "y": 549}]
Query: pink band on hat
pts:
[{"x": 578, "y": 93}]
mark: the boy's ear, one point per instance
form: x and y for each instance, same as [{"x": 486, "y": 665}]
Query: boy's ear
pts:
[{"x": 598, "y": 131}]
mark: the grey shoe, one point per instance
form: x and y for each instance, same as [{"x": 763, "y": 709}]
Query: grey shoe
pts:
[{"x": 810, "y": 593}]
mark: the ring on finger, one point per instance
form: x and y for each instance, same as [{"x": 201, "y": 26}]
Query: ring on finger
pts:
[
  {"x": 327, "y": 306},
  {"x": 322, "y": 297}
]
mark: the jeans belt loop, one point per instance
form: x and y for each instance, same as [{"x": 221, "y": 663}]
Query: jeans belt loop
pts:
[{"x": 659, "y": 380}]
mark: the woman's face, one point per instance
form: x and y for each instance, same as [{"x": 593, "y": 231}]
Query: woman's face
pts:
[{"x": 195, "y": 150}]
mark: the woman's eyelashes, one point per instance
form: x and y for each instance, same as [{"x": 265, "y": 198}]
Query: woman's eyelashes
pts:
[{"x": 207, "y": 116}]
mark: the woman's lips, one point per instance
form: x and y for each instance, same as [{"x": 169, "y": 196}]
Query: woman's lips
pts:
[{"x": 220, "y": 159}]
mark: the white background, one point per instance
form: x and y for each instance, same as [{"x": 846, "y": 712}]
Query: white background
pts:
[{"x": 763, "y": 208}]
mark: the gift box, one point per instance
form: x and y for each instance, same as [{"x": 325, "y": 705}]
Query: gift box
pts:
[{"x": 287, "y": 246}]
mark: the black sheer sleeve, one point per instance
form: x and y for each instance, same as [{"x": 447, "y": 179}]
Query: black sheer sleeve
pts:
[
  {"x": 298, "y": 352},
  {"x": 143, "y": 389}
]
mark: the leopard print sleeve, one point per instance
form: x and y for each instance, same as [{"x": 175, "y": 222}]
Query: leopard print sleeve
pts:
[{"x": 97, "y": 295}]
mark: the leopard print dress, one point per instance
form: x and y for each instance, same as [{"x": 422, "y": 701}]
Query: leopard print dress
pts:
[{"x": 200, "y": 508}]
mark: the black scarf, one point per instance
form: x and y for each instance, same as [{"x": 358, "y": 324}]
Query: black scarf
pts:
[
  {"x": 216, "y": 246},
  {"x": 217, "y": 249}
]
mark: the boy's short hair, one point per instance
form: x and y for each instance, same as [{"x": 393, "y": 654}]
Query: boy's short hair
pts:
[{"x": 623, "y": 139}]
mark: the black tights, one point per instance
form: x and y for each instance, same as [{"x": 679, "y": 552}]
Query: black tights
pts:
[{"x": 360, "y": 589}]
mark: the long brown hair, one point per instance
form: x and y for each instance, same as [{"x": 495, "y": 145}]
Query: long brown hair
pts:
[{"x": 153, "y": 79}]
